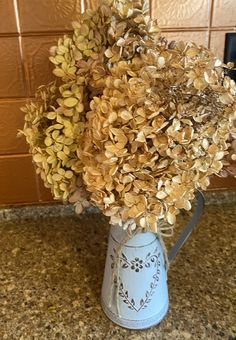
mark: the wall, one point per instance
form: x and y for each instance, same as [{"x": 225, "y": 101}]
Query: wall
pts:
[
  {"x": 29, "y": 27},
  {"x": 203, "y": 21}
]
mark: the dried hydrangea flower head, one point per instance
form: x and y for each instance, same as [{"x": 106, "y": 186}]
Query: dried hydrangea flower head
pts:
[
  {"x": 157, "y": 133},
  {"x": 117, "y": 30},
  {"x": 54, "y": 122},
  {"x": 135, "y": 124}
]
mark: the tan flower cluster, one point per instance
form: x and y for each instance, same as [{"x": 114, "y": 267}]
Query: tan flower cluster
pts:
[
  {"x": 137, "y": 122},
  {"x": 117, "y": 30},
  {"x": 156, "y": 134},
  {"x": 53, "y": 128}
]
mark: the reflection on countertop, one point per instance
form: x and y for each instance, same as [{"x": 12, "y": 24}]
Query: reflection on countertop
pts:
[{"x": 52, "y": 270}]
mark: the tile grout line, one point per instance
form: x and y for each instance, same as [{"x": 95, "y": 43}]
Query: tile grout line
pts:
[
  {"x": 16, "y": 9},
  {"x": 211, "y": 9},
  {"x": 11, "y": 99},
  {"x": 15, "y": 4},
  {"x": 82, "y": 2},
  {"x": 17, "y": 155},
  {"x": 57, "y": 33},
  {"x": 150, "y": 9}
]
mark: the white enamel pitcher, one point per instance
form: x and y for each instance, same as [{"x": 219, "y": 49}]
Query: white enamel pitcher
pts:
[{"x": 134, "y": 291}]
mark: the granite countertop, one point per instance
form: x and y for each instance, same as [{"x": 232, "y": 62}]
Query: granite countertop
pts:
[{"x": 51, "y": 271}]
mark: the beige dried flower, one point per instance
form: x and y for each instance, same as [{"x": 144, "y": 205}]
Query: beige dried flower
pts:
[
  {"x": 53, "y": 128},
  {"x": 156, "y": 134},
  {"x": 137, "y": 124}
]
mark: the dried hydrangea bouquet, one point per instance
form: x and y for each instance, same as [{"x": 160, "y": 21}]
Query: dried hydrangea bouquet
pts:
[{"x": 133, "y": 125}]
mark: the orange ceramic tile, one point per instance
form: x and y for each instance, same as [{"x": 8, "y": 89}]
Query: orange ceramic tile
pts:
[
  {"x": 44, "y": 193},
  {"x": 199, "y": 38},
  {"x": 222, "y": 183},
  {"x": 17, "y": 180},
  {"x": 11, "y": 120},
  {"x": 37, "y": 65},
  {"x": 217, "y": 43},
  {"x": 224, "y": 13},
  {"x": 48, "y": 15},
  {"x": 93, "y": 4},
  {"x": 11, "y": 73},
  {"x": 181, "y": 13},
  {"x": 7, "y": 17}
]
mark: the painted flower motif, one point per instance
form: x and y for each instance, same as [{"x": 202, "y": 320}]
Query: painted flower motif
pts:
[{"x": 136, "y": 264}]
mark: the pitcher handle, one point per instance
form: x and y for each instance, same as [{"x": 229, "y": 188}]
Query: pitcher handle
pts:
[{"x": 189, "y": 228}]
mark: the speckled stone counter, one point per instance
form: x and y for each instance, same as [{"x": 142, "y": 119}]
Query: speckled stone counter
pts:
[{"x": 51, "y": 271}]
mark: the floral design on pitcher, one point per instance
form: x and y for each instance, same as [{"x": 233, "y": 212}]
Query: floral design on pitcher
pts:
[
  {"x": 124, "y": 294},
  {"x": 136, "y": 264}
]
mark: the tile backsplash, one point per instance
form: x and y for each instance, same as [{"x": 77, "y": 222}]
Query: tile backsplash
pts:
[
  {"x": 11, "y": 68},
  {"x": 178, "y": 13},
  {"x": 37, "y": 68},
  {"x": 47, "y": 15},
  {"x": 7, "y": 17},
  {"x": 224, "y": 12},
  {"x": 12, "y": 119},
  {"x": 27, "y": 30}
]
